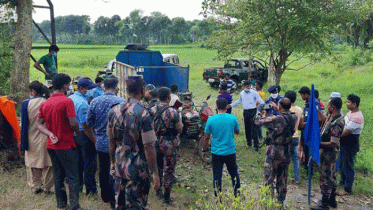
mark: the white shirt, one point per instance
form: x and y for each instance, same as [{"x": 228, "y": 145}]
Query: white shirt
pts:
[
  {"x": 174, "y": 98},
  {"x": 248, "y": 100},
  {"x": 354, "y": 122}
]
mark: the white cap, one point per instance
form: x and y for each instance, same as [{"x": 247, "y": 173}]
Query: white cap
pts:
[{"x": 335, "y": 95}]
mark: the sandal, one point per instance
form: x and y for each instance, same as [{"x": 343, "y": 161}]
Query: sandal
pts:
[{"x": 343, "y": 193}]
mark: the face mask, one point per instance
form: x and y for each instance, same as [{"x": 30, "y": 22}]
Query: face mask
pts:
[
  {"x": 31, "y": 97},
  {"x": 102, "y": 86},
  {"x": 54, "y": 54},
  {"x": 247, "y": 90},
  {"x": 274, "y": 95}
]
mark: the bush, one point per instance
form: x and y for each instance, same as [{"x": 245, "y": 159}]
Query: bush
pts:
[{"x": 249, "y": 198}]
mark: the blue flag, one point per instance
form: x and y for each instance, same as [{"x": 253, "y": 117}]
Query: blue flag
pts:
[{"x": 312, "y": 130}]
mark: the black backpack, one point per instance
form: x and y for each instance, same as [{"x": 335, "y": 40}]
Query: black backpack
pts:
[{"x": 289, "y": 129}]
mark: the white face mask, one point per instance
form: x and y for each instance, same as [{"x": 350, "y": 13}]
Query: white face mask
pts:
[
  {"x": 274, "y": 95},
  {"x": 102, "y": 85},
  {"x": 31, "y": 96}
]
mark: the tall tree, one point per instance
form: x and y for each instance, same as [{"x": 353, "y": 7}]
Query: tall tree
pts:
[
  {"x": 22, "y": 40},
  {"x": 357, "y": 22},
  {"x": 179, "y": 30},
  {"x": 157, "y": 27},
  {"x": 134, "y": 27},
  {"x": 279, "y": 27},
  {"x": 73, "y": 24},
  {"x": 100, "y": 25},
  {"x": 6, "y": 31}
]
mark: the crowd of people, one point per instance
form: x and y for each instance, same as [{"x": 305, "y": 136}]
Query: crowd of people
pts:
[
  {"x": 285, "y": 140},
  {"x": 133, "y": 140},
  {"x": 67, "y": 128}
]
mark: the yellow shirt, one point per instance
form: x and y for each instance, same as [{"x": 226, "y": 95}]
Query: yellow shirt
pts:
[
  {"x": 262, "y": 95},
  {"x": 299, "y": 112}
]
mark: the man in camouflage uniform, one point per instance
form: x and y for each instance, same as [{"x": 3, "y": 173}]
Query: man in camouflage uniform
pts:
[
  {"x": 280, "y": 131},
  {"x": 168, "y": 126},
  {"x": 150, "y": 98},
  {"x": 329, "y": 149},
  {"x": 131, "y": 148}
]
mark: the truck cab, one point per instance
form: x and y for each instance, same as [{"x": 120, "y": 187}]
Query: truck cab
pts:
[{"x": 239, "y": 69}]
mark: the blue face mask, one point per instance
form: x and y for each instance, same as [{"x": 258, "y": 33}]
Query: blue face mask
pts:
[
  {"x": 54, "y": 54},
  {"x": 247, "y": 90}
]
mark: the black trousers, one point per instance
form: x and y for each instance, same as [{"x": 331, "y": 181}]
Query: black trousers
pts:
[
  {"x": 218, "y": 162},
  {"x": 80, "y": 166},
  {"x": 250, "y": 131},
  {"x": 90, "y": 164},
  {"x": 65, "y": 166},
  {"x": 106, "y": 181}
]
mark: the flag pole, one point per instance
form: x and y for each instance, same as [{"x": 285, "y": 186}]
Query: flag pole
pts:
[{"x": 310, "y": 161}]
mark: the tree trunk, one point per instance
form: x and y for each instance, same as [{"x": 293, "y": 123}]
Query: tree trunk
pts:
[
  {"x": 22, "y": 39},
  {"x": 277, "y": 66},
  {"x": 273, "y": 79}
]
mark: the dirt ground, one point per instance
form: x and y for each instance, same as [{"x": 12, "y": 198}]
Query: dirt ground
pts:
[
  {"x": 15, "y": 194},
  {"x": 297, "y": 198}
]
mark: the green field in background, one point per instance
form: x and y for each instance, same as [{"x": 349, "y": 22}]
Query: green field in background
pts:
[{"x": 336, "y": 72}]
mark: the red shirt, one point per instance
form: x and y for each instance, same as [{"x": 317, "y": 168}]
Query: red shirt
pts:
[{"x": 56, "y": 112}]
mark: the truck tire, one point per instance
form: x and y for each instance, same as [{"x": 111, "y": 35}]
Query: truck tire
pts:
[
  {"x": 235, "y": 79},
  {"x": 214, "y": 84}
]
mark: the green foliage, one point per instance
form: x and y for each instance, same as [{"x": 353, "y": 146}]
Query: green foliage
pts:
[
  {"x": 5, "y": 57},
  {"x": 329, "y": 74},
  {"x": 249, "y": 198},
  {"x": 356, "y": 22},
  {"x": 106, "y": 26},
  {"x": 136, "y": 28},
  {"x": 271, "y": 29},
  {"x": 252, "y": 26}
]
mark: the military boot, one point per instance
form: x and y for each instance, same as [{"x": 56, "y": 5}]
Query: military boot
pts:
[
  {"x": 167, "y": 198},
  {"x": 323, "y": 205},
  {"x": 332, "y": 201}
]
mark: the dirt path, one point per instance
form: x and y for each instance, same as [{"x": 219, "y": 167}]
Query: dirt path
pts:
[
  {"x": 297, "y": 198},
  {"x": 195, "y": 183}
]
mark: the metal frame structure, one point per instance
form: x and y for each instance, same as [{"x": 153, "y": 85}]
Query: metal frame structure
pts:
[{"x": 53, "y": 28}]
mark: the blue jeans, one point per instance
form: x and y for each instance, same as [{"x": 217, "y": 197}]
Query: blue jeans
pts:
[
  {"x": 217, "y": 168},
  {"x": 347, "y": 165},
  {"x": 294, "y": 157}
]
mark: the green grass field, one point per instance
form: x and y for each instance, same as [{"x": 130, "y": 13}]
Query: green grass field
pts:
[{"x": 344, "y": 72}]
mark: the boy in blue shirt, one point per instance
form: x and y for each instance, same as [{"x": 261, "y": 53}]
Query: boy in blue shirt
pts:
[{"x": 222, "y": 127}]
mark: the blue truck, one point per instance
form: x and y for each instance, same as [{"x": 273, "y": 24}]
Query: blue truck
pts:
[{"x": 151, "y": 65}]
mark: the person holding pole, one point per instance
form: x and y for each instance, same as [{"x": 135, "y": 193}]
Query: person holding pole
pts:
[{"x": 329, "y": 149}]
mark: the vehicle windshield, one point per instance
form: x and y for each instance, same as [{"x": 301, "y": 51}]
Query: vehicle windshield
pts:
[
  {"x": 233, "y": 64},
  {"x": 170, "y": 58}
]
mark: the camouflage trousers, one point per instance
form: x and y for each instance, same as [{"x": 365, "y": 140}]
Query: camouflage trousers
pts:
[
  {"x": 328, "y": 180},
  {"x": 276, "y": 168},
  {"x": 131, "y": 194},
  {"x": 166, "y": 161}
]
